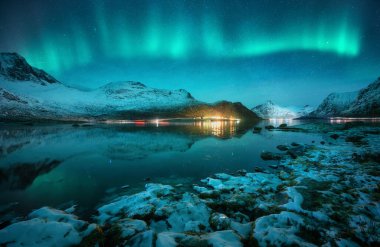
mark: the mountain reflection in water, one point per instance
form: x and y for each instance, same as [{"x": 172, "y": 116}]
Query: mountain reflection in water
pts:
[{"x": 85, "y": 163}]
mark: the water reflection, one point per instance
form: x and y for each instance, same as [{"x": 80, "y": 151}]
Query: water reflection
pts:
[
  {"x": 26, "y": 151},
  {"x": 278, "y": 121},
  {"x": 341, "y": 120},
  {"x": 219, "y": 128},
  {"x": 52, "y": 164}
]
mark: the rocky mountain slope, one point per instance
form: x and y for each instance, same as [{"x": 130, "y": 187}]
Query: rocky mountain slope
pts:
[
  {"x": 367, "y": 102},
  {"x": 334, "y": 104},
  {"x": 363, "y": 103},
  {"x": 272, "y": 110},
  {"x": 27, "y": 93}
]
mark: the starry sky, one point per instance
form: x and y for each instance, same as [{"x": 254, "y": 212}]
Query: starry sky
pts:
[{"x": 293, "y": 52}]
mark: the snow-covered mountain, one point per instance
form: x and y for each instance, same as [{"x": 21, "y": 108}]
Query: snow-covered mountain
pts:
[
  {"x": 14, "y": 67},
  {"x": 367, "y": 102},
  {"x": 272, "y": 110},
  {"x": 334, "y": 104},
  {"x": 363, "y": 103},
  {"x": 27, "y": 93}
]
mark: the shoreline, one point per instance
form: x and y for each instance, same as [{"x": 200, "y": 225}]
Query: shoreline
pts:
[{"x": 317, "y": 194}]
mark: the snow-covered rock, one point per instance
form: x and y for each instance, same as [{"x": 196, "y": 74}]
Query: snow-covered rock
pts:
[
  {"x": 271, "y": 110},
  {"x": 279, "y": 230},
  {"x": 46, "y": 227},
  {"x": 215, "y": 239},
  {"x": 167, "y": 209}
]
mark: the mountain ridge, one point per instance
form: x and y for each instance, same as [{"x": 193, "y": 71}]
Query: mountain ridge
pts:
[
  {"x": 269, "y": 110},
  {"x": 28, "y": 93},
  {"x": 362, "y": 103}
]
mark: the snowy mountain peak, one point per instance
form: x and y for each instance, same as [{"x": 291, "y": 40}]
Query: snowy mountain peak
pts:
[
  {"x": 14, "y": 67},
  {"x": 269, "y": 102},
  {"x": 118, "y": 85},
  {"x": 271, "y": 110},
  {"x": 130, "y": 89}
]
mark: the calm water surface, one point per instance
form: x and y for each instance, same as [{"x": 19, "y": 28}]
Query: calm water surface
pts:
[{"x": 63, "y": 164}]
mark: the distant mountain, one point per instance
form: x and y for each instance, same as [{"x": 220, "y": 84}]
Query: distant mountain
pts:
[
  {"x": 363, "y": 103},
  {"x": 27, "y": 93},
  {"x": 272, "y": 110}
]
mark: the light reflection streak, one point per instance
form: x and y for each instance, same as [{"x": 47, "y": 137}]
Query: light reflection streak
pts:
[
  {"x": 217, "y": 126},
  {"x": 348, "y": 120},
  {"x": 278, "y": 121}
]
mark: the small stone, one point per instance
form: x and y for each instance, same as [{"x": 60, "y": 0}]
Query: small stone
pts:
[
  {"x": 334, "y": 136},
  {"x": 241, "y": 172},
  {"x": 256, "y": 130},
  {"x": 323, "y": 143},
  {"x": 240, "y": 217},
  {"x": 219, "y": 221},
  {"x": 212, "y": 194},
  {"x": 284, "y": 125},
  {"x": 282, "y": 147},
  {"x": 295, "y": 144},
  {"x": 354, "y": 139},
  {"x": 269, "y": 127},
  {"x": 270, "y": 156},
  {"x": 258, "y": 169}
]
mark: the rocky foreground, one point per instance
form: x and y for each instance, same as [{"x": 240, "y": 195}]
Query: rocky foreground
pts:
[{"x": 324, "y": 194}]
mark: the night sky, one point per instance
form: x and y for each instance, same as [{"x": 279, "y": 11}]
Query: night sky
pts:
[{"x": 293, "y": 52}]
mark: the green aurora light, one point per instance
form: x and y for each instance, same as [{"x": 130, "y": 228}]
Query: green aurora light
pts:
[{"x": 181, "y": 37}]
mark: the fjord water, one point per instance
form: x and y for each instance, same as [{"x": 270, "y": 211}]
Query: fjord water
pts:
[{"x": 63, "y": 164}]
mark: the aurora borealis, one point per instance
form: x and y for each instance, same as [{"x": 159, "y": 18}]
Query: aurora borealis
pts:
[{"x": 201, "y": 41}]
